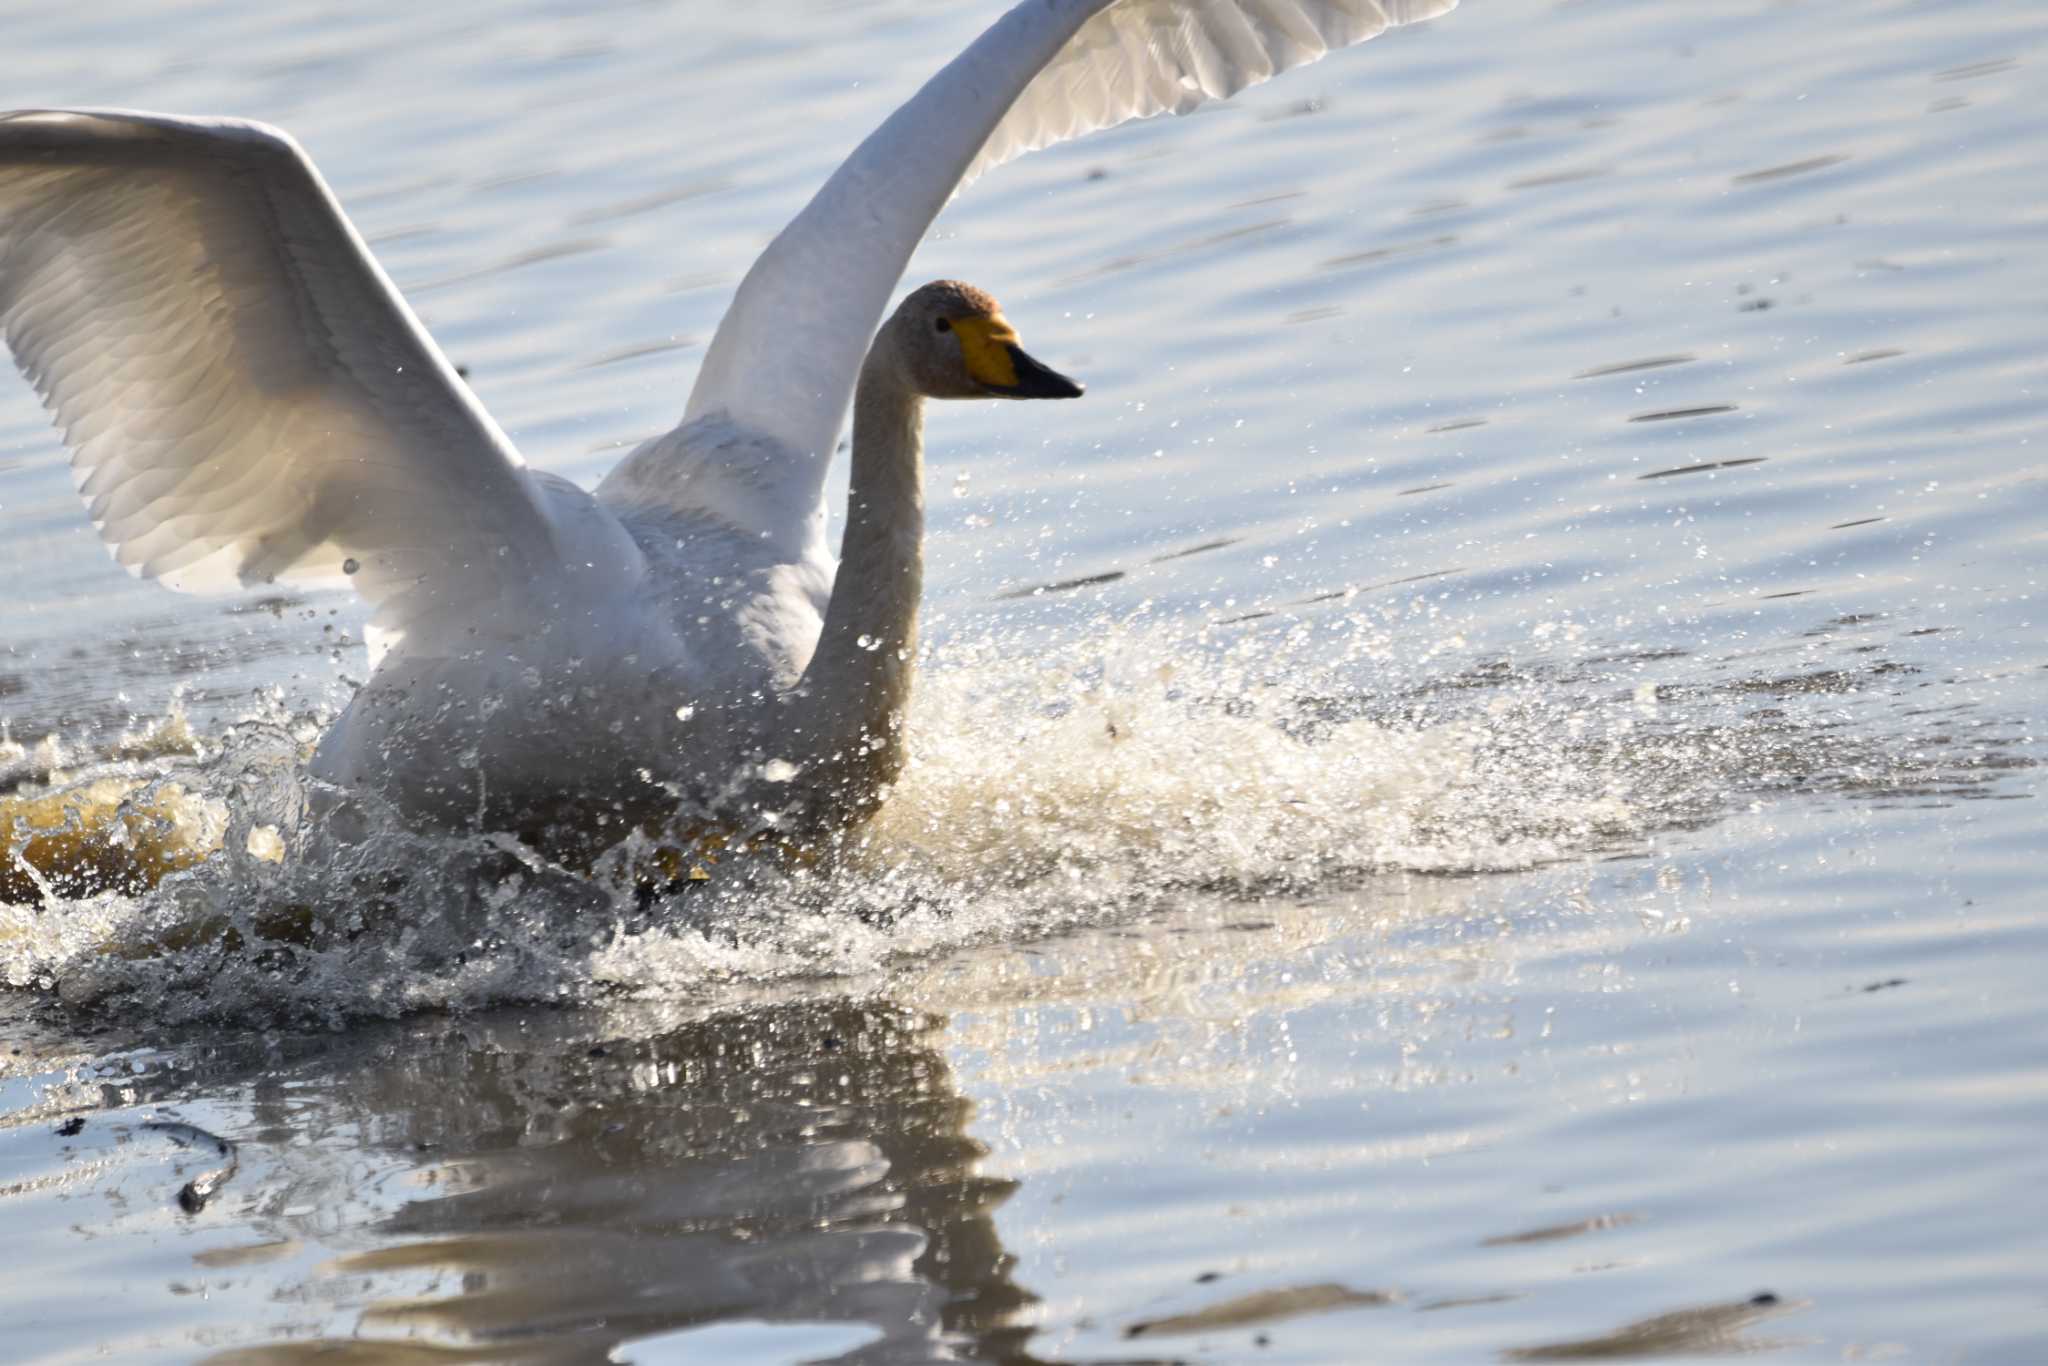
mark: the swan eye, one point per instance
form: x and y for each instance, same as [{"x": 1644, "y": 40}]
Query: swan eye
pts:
[{"x": 943, "y": 325}]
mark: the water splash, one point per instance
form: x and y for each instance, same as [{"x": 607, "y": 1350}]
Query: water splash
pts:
[{"x": 1050, "y": 787}]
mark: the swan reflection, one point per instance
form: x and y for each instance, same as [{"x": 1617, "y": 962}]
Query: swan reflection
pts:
[{"x": 793, "y": 1164}]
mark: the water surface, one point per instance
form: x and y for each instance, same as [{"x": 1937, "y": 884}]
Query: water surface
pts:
[{"x": 1476, "y": 800}]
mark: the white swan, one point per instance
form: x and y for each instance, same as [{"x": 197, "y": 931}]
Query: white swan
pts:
[{"x": 248, "y": 400}]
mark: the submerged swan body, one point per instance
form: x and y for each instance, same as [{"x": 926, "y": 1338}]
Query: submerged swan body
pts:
[{"x": 248, "y": 400}]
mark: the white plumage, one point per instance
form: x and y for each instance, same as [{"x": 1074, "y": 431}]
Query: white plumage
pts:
[{"x": 248, "y": 400}]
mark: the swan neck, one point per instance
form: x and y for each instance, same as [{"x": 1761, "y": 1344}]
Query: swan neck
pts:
[{"x": 858, "y": 682}]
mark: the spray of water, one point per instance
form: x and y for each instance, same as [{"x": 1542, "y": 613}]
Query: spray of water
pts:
[{"x": 1051, "y": 787}]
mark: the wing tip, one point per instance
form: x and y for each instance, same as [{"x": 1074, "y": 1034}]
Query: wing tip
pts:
[{"x": 88, "y": 128}]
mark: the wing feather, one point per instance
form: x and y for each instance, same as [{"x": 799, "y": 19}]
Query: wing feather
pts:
[
  {"x": 1136, "y": 58},
  {"x": 783, "y": 362},
  {"x": 245, "y": 395}
]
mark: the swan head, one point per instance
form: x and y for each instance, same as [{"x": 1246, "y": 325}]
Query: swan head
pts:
[{"x": 952, "y": 341}]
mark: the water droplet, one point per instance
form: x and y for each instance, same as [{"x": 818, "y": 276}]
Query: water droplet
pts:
[
  {"x": 351, "y": 565},
  {"x": 868, "y": 643},
  {"x": 685, "y": 712}
]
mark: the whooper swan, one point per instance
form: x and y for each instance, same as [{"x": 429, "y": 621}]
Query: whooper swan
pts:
[{"x": 248, "y": 400}]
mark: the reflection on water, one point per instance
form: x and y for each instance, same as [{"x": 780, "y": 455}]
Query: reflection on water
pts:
[{"x": 530, "y": 1190}]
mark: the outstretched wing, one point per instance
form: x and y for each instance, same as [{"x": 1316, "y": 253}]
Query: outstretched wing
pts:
[
  {"x": 785, "y": 358},
  {"x": 1137, "y": 58},
  {"x": 246, "y": 397}
]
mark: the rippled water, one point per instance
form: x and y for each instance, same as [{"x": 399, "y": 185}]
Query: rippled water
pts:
[{"x": 1475, "y": 800}]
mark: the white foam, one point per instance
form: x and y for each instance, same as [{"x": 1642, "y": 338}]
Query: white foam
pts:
[{"x": 1050, "y": 787}]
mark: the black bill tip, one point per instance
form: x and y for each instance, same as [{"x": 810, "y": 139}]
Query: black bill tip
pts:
[{"x": 1035, "y": 380}]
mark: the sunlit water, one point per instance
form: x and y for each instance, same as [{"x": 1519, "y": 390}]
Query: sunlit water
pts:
[{"x": 1474, "y": 800}]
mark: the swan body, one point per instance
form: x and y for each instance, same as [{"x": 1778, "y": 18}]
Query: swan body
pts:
[{"x": 249, "y": 400}]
